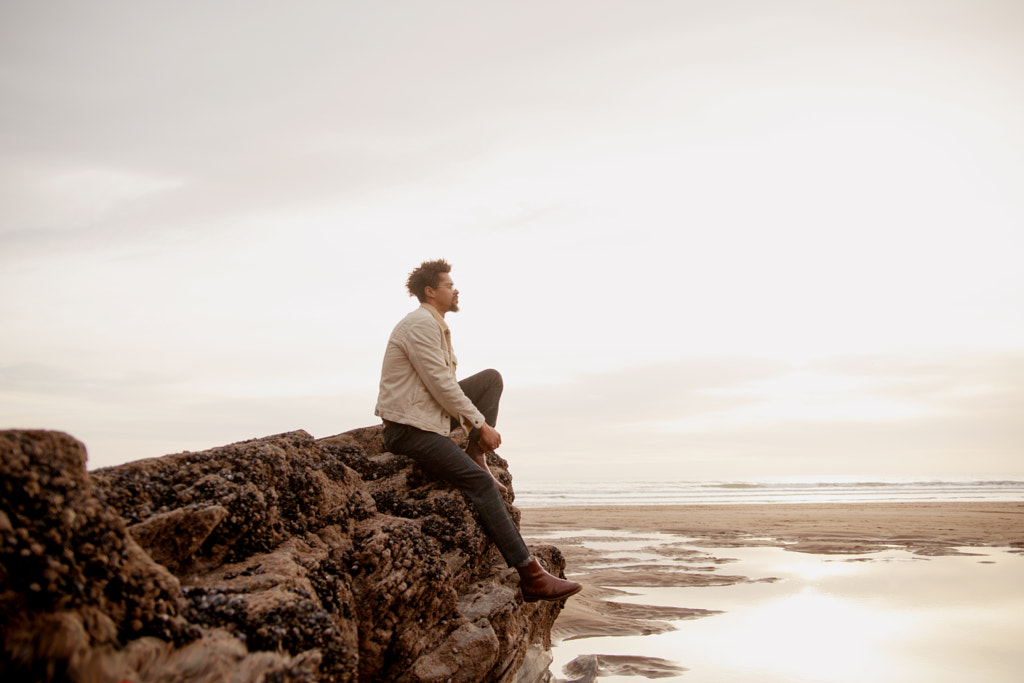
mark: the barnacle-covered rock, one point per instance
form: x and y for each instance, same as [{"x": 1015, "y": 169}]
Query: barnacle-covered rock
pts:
[{"x": 283, "y": 558}]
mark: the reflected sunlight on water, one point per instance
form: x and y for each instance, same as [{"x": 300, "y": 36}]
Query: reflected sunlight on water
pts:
[{"x": 888, "y": 617}]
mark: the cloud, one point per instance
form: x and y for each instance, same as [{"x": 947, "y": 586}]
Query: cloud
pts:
[{"x": 745, "y": 418}]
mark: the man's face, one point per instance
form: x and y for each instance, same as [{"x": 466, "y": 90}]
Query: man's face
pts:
[{"x": 446, "y": 297}]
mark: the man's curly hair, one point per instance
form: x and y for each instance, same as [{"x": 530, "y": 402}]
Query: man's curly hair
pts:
[{"x": 427, "y": 275}]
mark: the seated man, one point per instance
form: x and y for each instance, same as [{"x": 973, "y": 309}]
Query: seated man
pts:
[{"x": 420, "y": 402}]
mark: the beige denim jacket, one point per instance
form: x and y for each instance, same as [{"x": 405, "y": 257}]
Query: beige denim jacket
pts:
[{"x": 417, "y": 380}]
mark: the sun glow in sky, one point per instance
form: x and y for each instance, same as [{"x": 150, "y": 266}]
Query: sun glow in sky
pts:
[{"x": 699, "y": 239}]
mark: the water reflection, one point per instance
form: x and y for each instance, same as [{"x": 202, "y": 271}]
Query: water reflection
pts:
[{"x": 885, "y": 617}]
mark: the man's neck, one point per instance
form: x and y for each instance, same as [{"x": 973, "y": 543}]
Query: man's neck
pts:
[{"x": 435, "y": 309}]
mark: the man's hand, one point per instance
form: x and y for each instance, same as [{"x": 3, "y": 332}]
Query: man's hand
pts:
[{"x": 490, "y": 439}]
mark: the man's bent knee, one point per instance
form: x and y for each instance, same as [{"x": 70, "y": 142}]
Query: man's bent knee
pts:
[{"x": 494, "y": 377}]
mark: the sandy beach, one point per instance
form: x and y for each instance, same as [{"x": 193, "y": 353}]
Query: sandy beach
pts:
[
  {"x": 867, "y": 524},
  {"x": 689, "y": 553}
]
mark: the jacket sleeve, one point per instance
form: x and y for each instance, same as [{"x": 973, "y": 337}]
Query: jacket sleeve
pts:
[{"x": 423, "y": 344}]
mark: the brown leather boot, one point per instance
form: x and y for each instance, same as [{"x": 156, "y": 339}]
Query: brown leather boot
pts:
[
  {"x": 537, "y": 584},
  {"x": 481, "y": 459}
]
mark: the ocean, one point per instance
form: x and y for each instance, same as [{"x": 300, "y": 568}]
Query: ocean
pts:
[{"x": 532, "y": 495}]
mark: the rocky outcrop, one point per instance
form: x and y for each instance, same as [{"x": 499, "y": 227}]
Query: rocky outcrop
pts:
[{"x": 280, "y": 559}]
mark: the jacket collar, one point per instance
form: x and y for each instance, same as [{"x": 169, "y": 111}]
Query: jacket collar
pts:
[{"x": 437, "y": 316}]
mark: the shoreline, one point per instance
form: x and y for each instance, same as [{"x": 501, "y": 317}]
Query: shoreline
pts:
[{"x": 911, "y": 525}]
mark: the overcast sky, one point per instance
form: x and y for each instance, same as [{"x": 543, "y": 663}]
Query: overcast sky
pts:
[{"x": 700, "y": 238}]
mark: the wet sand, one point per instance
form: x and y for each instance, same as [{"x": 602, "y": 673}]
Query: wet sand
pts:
[
  {"x": 915, "y": 525},
  {"x": 849, "y": 529}
]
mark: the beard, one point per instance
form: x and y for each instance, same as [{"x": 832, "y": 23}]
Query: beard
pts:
[{"x": 454, "y": 308}]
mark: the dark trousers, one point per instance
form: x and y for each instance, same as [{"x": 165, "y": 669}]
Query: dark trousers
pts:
[
  {"x": 484, "y": 390},
  {"x": 441, "y": 458}
]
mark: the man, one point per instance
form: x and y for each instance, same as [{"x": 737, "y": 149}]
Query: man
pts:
[{"x": 421, "y": 401}]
